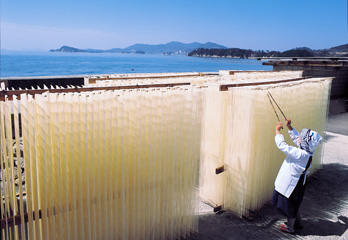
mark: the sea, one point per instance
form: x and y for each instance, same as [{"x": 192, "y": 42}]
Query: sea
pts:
[{"x": 25, "y": 64}]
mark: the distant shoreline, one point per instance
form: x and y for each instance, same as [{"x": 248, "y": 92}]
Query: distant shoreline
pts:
[
  {"x": 68, "y": 64},
  {"x": 249, "y": 54},
  {"x": 212, "y": 50}
]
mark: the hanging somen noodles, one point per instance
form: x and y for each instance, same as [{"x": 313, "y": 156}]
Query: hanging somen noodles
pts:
[
  {"x": 242, "y": 139},
  {"x": 106, "y": 164},
  {"x": 125, "y": 164}
]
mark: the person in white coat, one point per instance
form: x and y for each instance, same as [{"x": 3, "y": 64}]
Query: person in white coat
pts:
[{"x": 290, "y": 183}]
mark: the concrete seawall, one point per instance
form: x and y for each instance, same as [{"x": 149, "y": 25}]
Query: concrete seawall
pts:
[{"x": 336, "y": 68}]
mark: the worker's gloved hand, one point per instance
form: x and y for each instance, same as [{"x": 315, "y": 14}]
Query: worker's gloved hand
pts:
[{"x": 279, "y": 126}]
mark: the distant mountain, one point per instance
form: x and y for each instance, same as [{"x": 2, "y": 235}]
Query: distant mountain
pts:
[
  {"x": 172, "y": 47},
  {"x": 339, "y": 49},
  {"x": 168, "y": 48}
]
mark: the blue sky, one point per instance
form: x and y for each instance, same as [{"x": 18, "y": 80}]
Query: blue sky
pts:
[{"x": 105, "y": 24}]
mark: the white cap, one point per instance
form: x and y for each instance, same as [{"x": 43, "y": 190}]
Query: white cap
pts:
[{"x": 315, "y": 140}]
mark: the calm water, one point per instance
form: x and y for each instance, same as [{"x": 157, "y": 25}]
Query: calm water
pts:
[{"x": 54, "y": 64}]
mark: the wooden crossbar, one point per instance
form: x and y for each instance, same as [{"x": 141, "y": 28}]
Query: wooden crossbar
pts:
[
  {"x": 10, "y": 93},
  {"x": 224, "y": 87},
  {"x": 147, "y": 77},
  {"x": 16, "y": 220}
]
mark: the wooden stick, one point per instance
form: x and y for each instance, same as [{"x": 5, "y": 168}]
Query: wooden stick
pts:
[
  {"x": 277, "y": 105},
  {"x": 273, "y": 108}
]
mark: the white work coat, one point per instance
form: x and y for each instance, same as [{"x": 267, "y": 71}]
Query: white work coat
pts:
[{"x": 293, "y": 165}]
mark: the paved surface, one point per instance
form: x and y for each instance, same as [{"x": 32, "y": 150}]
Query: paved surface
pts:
[
  {"x": 324, "y": 209},
  {"x": 338, "y": 124}
]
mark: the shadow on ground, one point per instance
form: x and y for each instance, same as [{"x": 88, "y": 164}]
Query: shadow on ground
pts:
[
  {"x": 322, "y": 227},
  {"x": 329, "y": 137},
  {"x": 324, "y": 212}
]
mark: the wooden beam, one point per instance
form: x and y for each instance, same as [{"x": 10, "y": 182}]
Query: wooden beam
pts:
[
  {"x": 16, "y": 220},
  {"x": 10, "y": 93},
  {"x": 147, "y": 77},
  {"x": 225, "y": 87},
  {"x": 24, "y": 193}
]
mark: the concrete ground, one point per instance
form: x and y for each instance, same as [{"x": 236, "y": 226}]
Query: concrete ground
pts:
[{"x": 324, "y": 209}]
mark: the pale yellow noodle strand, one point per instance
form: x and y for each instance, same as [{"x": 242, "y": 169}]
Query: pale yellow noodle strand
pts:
[
  {"x": 33, "y": 165},
  {"x": 11, "y": 179},
  {"x": 19, "y": 164},
  {"x": 6, "y": 186},
  {"x": 70, "y": 163}
]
